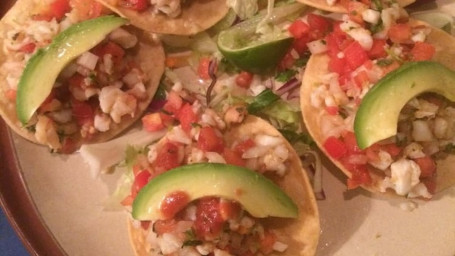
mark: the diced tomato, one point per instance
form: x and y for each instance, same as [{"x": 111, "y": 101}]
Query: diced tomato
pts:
[
  {"x": 244, "y": 79},
  {"x": 350, "y": 141},
  {"x": 203, "y": 68},
  {"x": 427, "y": 166},
  {"x": 355, "y": 55},
  {"x": 243, "y": 146},
  {"x": 209, "y": 141},
  {"x": 57, "y": 9},
  {"x": 300, "y": 46},
  {"x": 152, "y": 122},
  {"x": 28, "y": 48},
  {"x": 338, "y": 65},
  {"x": 83, "y": 112},
  {"x": 137, "y": 5},
  {"x": 127, "y": 201},
  {"x": 140, "y": 180},
  {"x": 11, "y": 94},
  {"x": 299, "y": 29},
  {"x": 137, "y": 168},
  {"x": 145, "y": 224},
  {"x": 337, "y": 40},
  {"x": 355, "y": 10},
  {"x": 361, "y": 79},
  {"x": 392, "y": 149},
  {"x": 430, "y": 183},
  {"x": 287, "y": 62},
  {"x": 229, "y": 209},
  {"x": 69, "y": 146},
  {"x": 88, "y": 9},
  {"x": 267, "y": 242},
  {"x": 400, "y": 32},
  {"x": 173, "y": 203},
  {"x": 233, "y": 157},
  {"x": 378, "y": 49},
  {"x": 164, "y": 226},
  {"x": 332, "y": 110},
  {"x": 187, "y": 117},
  {"x": 174, "y": 102},
  {"x": 115, "y": 50},
  {"x": 319, "y": 23},
  {"x": 360, "y": 176},
  {"x": 176, "y": 61},
  {"x": 167, "y": 158},
  {"x": 209, "y": 221},
  {"x": 422, "y": 51},
  {"x": 335, "y": 147}
]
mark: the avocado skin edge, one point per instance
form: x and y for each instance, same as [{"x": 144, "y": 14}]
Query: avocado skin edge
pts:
[
  {"x": 257, "y": 194},
  {"x": 377, "y": 116}
]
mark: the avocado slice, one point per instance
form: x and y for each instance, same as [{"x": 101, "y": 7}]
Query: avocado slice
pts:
[
  {"x": 257, "y": 194},
  {"x": 377, "y": 116},
  {"x": 45, "y": 65}
]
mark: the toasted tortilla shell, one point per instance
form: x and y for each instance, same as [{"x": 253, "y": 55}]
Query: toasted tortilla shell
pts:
[
  {"x": 317, "y": 67},
  {"x": 339, "y": 8},
  {"x": 148, "y": 53},
  {"x": 196, "y": 16},
  {"x": 302, "y": 233}
]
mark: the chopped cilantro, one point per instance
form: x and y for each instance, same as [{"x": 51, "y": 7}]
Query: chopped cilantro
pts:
[
  {"x": 449, "y": 148},
  {"x": 261, "y": 101},
  {"x": 191, "y": 239},
  {"x": 384, "y": 62},
  {"x": 285, "y": 75}
]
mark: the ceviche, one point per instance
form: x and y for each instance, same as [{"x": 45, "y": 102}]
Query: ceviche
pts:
[{"x": 96, "y": 96}]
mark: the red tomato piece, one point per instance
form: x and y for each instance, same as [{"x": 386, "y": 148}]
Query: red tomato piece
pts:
[
  {"x": 427, "y": 166},
  {"x": 209, "y": 141},
  {"x": 350, "y": 141},
  {"x": 422, "y": 51},
  {"x": 243, "y": 146},
  {"x": 164, "y": 226},
  {"x": 83, "y": 112},
  {"x": 152, "y": 122},
  {"x": 392, "y": 149},
  {"x": 174, "y": 103},
  {"x": 318, "y": 22},
  {"x": 335, "y": 147},
  {"x": 360, "y": 176},
  {"x": 140, "y": 180},
  {"x": 167, "y": 158},
  {"x": 332, "y": 110},
  {"x": 203, "y": 68},
  {"x": 209, "y": 221},
  {"x": 378, "y": 49},
  {"x": 11, "y": 94},
  {"x": 187, "y": 117},
  {"x": 338, "y": 65},
  {"x": 299, "y": 29},
  {"x": 267, "y": 242},
  {"x": 58, "y": 8},
  {"x": 229, "y": 209},
  {"x": 355, "y": 10},
  {"x": 399, "y": 33},
  {"x": 355, "y": 55},
  {"x": 28, "y": 48},
  {"x": 244, "y": 79},
  {"x": 115, "y": 50},
  {"x": 287, "y": 62},
  {"x": 232, "y": 157},
  {"x": 361, "y": 79},
  {"x": 136, "y": 5},
  {"x": 173, "y": 203},
  {"x": 300, "y": 46}
]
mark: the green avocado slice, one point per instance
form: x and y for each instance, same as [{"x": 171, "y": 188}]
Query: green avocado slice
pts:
[
  {"x": 257, "y": 194},
  {"x": 377, "y": 116},
  {"x": 45, "y": 65}
]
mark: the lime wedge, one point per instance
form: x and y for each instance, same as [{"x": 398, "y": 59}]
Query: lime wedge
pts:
[
  {"x": 437, "y": 19},
  {"x": 253, "y": 52}
]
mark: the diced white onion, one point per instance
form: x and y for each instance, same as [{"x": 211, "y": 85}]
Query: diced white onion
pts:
[
  {"x": 317, "y": 46},
  {"x": 421, "y": 131},
  {"x": 88, "y": 60}
]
